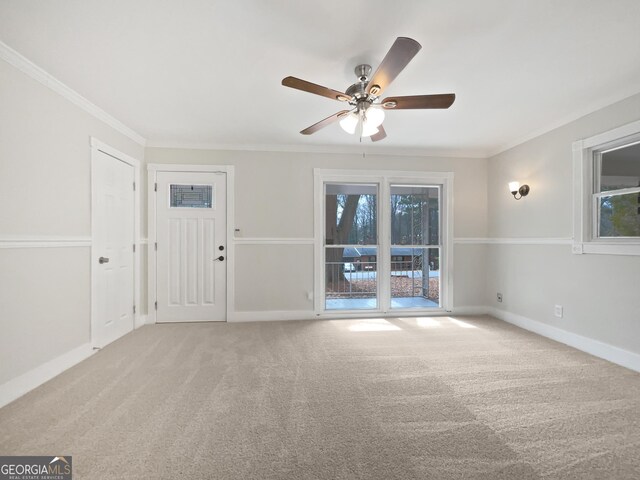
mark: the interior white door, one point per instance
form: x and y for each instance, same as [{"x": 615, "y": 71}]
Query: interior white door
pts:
[
  {"x": 112, "y": 259},
  {"x": 191, "y": 246}
]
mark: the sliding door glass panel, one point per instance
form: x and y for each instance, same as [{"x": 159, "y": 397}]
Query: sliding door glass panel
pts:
[
  {"x": 351, "y": 246},
  {"x": 415, "y": 246}
]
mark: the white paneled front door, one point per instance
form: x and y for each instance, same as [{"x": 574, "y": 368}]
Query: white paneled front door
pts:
[
  {"x": 112, "y": 258},
  {"x": 191, "y": 246}
]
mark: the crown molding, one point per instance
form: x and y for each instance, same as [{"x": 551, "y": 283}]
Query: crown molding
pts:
[
  {"x": 25, "y": 65},
  {"x": 593, "y": 107},
  {"x": 327, "y": 149}
]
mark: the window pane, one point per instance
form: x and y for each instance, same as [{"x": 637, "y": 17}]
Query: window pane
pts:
[
  {"x": 620, "y": 216},
  {"x": 351, "y": 216},
  {"x": 191, "y": 196},
  {"x": 415, "y": 277},
  {"x": 415, "y": 215},
  {"x": 351, "y": 278},
  {"x": 620, "y": 168}
]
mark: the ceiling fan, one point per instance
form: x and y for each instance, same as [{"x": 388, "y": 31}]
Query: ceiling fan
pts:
[{"x": 367, "y": 110}]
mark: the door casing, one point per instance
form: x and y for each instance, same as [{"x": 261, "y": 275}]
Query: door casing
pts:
[{"x": 152, "y": 170}]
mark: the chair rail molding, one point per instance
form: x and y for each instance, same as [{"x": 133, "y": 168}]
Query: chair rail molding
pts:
[
  {"x": 43, "y": 241},
  {"x": 273, "y": 241},
  {"x": 513, "y": 240}
]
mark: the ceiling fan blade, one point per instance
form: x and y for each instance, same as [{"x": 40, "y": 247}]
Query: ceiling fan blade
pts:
[
  {"x": 380, "y": 135},
  {"x": 323, "y": 123},
  {"x": 444, "y": 100},
  {"x": 305, "y": 86},
  {"x": 398, "y": 56}
]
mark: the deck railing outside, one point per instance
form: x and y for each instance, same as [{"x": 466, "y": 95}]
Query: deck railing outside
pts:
[{"x": 359, "y": 280}]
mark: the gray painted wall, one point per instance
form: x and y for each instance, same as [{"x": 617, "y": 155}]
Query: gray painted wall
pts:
[
  {"x": 600, "y": 293},
  {"x": 274, "y": 198},
  {"x": 45, "y": 190}
]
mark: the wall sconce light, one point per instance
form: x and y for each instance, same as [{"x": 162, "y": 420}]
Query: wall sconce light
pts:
[{"x": 516, "y": 189}]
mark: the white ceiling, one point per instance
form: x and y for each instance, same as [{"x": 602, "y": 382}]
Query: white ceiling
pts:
[{"x": 203, "y": 72}]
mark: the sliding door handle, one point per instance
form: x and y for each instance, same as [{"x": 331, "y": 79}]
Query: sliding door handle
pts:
[{"x": 102, "y": 260}]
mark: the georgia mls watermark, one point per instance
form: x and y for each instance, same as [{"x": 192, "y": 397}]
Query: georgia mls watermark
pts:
[{"x": 36, "y": 468}]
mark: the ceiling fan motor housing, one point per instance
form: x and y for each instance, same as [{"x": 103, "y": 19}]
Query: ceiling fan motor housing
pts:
[{"x": 358, "y": 91}]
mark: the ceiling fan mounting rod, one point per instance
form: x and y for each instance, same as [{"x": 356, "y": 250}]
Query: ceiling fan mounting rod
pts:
[{"x": 363, "y": 71}]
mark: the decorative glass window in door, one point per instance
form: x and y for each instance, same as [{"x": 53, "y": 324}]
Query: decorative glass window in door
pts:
[{"x": 191, "y": 196}]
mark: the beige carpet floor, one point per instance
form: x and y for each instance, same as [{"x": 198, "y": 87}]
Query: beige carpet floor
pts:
[{"x": 429, "y": 398}]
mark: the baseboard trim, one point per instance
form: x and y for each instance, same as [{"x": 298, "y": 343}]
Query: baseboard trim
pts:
[
  {"x": 277, "y": 315},
  {"x": 17, "y": 387},
  {"x": 472, "y": 310},
  {"x": 272, "y": 316},
  {"x": 140, "y": 321},
  {"x": 596, "y": 348}
]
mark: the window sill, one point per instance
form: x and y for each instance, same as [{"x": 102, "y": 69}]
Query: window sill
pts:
[{"x": 609, "y": 248}]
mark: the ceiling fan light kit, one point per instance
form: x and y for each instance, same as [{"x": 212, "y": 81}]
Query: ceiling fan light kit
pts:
[{"x": 367, "y": 110}]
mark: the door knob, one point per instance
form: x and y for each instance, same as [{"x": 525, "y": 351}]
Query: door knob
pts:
[
  {"x": 102, "y": 260},
  {"x": 220, "y": 258}
]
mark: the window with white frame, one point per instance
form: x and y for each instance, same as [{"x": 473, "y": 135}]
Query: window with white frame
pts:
[
  {"x": 607, "y": 192},
  {"x": 616, "y": 198}
]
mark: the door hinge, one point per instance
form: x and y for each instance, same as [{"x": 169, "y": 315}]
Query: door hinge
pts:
[
  {"x": 156, "y": 246},
  {"x": 156, "y": 305},
  {"x": 155, "y": 187},
  {"x": 134, "y": 309},
  {"x": 134, "y": 248},
  {"x": 134, "y": 186}
]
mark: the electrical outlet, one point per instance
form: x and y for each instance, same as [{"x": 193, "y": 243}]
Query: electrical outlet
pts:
[
  {"x": 499, "y": 296},
  {"x": 558, "y": 311}
]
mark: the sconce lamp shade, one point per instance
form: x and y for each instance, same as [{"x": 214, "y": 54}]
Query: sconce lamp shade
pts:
[{"x": 516, "y": 189}]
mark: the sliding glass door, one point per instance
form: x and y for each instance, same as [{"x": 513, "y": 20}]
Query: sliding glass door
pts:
[{"x": 383, "y": 243}]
